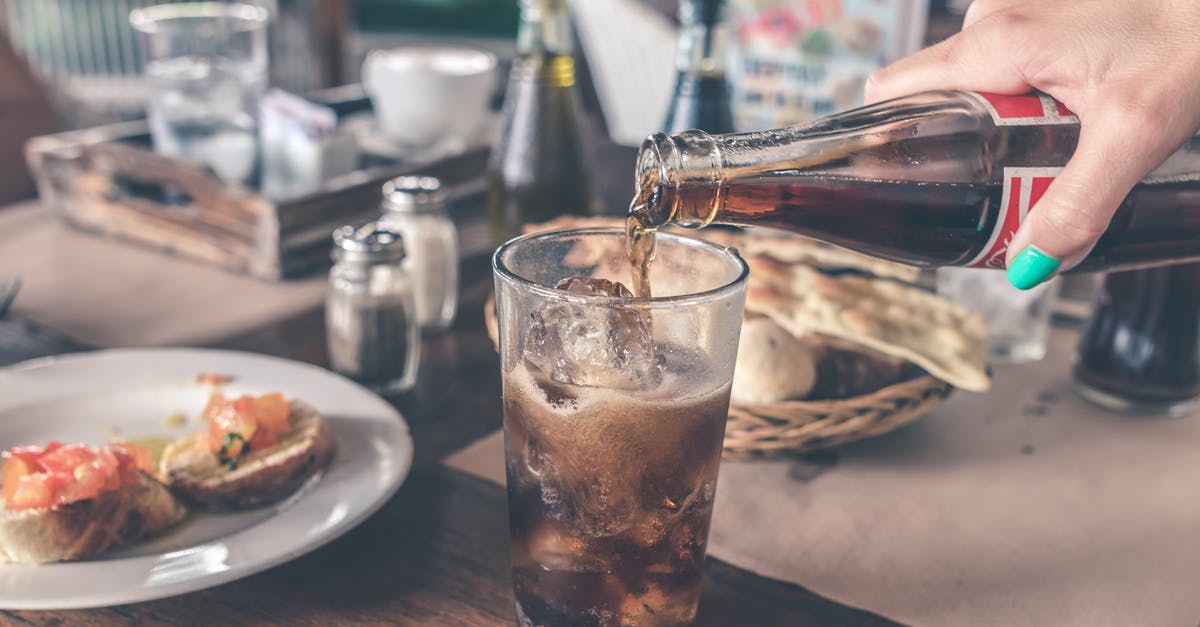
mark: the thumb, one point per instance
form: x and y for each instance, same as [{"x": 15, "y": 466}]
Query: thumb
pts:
[{"x": 1065, "y": 224}]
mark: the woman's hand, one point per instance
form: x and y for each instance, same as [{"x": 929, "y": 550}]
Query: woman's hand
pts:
[{"x": 1130, "y": 69}]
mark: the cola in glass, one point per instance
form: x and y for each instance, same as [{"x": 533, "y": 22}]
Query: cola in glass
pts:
[{"x": 614, "y": 422}]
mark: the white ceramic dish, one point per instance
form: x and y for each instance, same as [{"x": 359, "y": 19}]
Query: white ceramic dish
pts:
[{"x": 90, "y": 397}]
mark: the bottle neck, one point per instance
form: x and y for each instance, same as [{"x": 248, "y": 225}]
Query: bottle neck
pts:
[
  {"x": 702, "y": 37},
  {"x": 545, "y": 28},
  {"x": 683, "y": 179}
]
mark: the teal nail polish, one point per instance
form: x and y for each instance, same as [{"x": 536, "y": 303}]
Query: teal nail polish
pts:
[{"x": 1030, "y": 268}]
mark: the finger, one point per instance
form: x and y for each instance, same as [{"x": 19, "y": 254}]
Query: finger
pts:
[
  {"x": 978, "y": 59},
  {"x": 1064, "y": 225}
]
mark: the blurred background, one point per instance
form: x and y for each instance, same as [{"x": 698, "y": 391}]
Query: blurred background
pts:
[{"x": 71, "y": 64}]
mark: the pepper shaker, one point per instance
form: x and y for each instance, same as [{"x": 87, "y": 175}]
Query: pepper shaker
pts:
[
  {"x": 370, "y": 309},
  {"x": 415, "y": 206}
]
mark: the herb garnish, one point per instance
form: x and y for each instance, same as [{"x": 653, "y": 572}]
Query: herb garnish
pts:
[{"x": 223, "y": 454}]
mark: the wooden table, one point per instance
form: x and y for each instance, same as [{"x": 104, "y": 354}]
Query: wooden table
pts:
[{"x": 437, "y": 552}]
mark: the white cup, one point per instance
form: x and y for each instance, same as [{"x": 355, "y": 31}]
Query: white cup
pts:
[{"x": 426, "y": 95}]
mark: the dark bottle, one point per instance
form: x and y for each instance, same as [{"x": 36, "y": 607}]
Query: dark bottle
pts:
[
  {"x": 934, "y": 179},
  {"x": 538, "y": 169},
  {"x": 701, "y": 99},
  {"x": 1141, "y": 349}
]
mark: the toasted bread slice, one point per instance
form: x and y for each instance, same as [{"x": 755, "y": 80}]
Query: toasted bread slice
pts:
[
  {"x": 194, "y": 472},
  {"x": 88, "y": 527}
]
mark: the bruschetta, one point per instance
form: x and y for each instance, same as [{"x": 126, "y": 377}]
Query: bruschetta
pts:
[
  {"x": 66, "y": 502},
  {"x": 256, "y": 450}
]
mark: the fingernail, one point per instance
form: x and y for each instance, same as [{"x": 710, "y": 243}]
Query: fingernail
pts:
[{"x": 1030, "y": 268}]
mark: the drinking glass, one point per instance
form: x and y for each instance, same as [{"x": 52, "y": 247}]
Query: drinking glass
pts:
[
  {"x": 1018, "y": 321},
  {"x": 614, "y": 419},
  {"x": 1140, "y": 351},
  {"x": 206, "y": 69}
]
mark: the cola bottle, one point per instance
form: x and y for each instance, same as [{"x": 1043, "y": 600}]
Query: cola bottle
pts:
[
  {"x": 539, "y": 169},
  {"x": 1140, "y": 351},
  {"x": 701, "y": 98},
  {"x": 941, "y": 178}
]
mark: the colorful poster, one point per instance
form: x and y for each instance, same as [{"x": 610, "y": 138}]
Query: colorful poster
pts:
[{"x": 793, "y": 60}]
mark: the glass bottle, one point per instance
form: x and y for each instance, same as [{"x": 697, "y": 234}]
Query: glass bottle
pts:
[
  {"x": 370, "y": 317},
  {"x": 1140, "y": 352},
  {"x": 934, "y": 179},
  {"x": 538, "y": 169},
  {"x": 701, "y": 99},
  {"x": 415, "y": 207}
]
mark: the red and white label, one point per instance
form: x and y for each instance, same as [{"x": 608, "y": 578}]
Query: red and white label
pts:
[
  {"x": 1023, "y": 187},
  {"x": 1026, "y": 110}
]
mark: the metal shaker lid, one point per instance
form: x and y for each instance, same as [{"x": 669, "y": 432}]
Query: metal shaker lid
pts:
[
  {"x": 704, "y": 12},
  {"x": 413, "y": 194},
  {"x": 371, "y": 243}
]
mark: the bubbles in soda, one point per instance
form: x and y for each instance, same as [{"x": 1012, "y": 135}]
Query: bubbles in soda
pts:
[
  {"x": 610, "y": 498},
  {"x": 611, "y": 466}
]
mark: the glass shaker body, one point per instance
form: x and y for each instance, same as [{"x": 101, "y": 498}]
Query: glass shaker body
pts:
[
  {"x": 371, "y": 323},
  {"x": 415, "y": 207}
]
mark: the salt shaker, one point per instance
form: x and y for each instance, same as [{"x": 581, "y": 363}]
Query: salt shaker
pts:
[
  {"x": 370, "y": 310},
  {"x": 415, "y": 206}
]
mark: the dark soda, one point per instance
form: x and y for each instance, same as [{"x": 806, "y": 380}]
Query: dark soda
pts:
[
  {"x": 610, "y": 498},
  {"x": 1141, "y": 349},
  {"x": 939, "y": 178},
  {"x": 942, "y": 224}
]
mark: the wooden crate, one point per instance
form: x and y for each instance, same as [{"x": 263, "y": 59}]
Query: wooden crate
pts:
[{"x": 108, "y": 180}]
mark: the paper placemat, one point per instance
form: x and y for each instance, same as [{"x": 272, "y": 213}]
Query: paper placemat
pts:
[
  {"x": 106, "y": 293},
  {"x": 1022, "y": 506}
]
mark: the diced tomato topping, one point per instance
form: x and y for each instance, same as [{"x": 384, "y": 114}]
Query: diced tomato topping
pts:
[
  {"x": 34, "y": 491},
  {"x": 36, "y": 477},
  {"x": 138, "y": 454},
  {"x": 246, "y": 423},
  {"x": 263, "y": 439},
  {"x": 87, "y": 481},
  {"x": 66, "y": 458},
  {"x": 230, "y": 426},
  {"x": 14, "y": 469},
  {"x": 212, "y": 379},
  {"x": 272, "y": 412}
]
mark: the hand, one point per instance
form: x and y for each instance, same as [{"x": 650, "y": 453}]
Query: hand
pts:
[{"x": 1130, "y": 69}]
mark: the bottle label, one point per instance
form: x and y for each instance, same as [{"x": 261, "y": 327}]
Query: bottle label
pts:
[
  {"x": 1023, "y": 187},
  {"x": 1026, "y": 110}
]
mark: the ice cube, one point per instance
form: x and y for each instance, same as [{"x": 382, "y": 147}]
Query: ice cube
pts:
[
  {"x": 553, "y": 549},
  {"x": 595, "y": 345}
]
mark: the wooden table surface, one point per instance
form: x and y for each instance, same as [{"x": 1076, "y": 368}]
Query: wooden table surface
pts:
[{"x": 437, "y": 552}]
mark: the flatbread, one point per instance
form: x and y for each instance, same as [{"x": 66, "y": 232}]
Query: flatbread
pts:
[{"x": 947, "y": 340}]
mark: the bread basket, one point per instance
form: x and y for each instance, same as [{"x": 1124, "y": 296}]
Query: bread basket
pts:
[{"x": 791, "y": 427}]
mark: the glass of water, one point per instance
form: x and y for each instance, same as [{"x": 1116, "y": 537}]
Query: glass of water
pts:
[
  {"x": 206, "y": 69},
  {"x": 1018, "y": 321}
]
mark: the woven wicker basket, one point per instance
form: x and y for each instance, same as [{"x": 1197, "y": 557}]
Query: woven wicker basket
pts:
[
  {"x": 788, "y": 428},
  {"x": 766, "y": 430}
]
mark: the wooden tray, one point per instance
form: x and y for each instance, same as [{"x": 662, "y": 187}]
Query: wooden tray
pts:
[{"x": 108, "y": 180}]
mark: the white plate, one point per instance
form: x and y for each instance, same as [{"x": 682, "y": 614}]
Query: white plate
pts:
[{"x": 83, "y": 398}]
